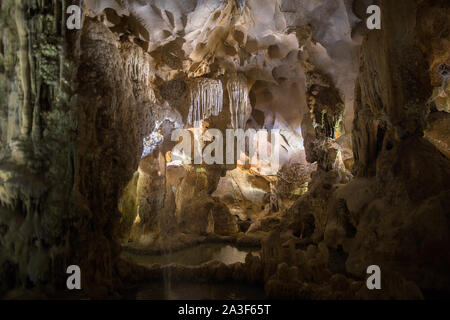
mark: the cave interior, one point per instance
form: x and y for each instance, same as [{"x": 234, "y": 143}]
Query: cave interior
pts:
[{"x": 91, "y": 173}]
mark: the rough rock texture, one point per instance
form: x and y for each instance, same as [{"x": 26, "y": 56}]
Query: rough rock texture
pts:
[
  {"x": 197, "y": 211},
  {"x": 412, "y": 176},
  {"x": 128, "y": 207},
  {"x": 73, "y": 103},
  {"x": 393, "y": 213},
  {"x": 151, "y": 189}
]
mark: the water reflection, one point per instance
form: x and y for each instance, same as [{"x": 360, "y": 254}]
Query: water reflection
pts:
[
  {"x": 168, "y": 290},
  {"x": 201, "y": 291},
  {"x": 195, "y": 256}
]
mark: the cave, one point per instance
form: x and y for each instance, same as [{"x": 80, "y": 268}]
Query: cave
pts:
[{"x": 224, "y": 149}]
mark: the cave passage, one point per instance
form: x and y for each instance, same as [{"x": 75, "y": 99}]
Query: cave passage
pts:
[{"x": 230, "y": 149}]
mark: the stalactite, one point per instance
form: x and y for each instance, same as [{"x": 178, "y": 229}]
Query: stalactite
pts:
[
  {"x": 241, "y": 4},
  {"x": 138, "y": 68},
  {"x": 239, "y": 100},
  {"x": 206, "y": 100},
  {"x": 22, "y": 31}
]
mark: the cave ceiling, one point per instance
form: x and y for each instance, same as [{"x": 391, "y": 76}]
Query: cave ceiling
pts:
[{"x": 271, "y": 42}]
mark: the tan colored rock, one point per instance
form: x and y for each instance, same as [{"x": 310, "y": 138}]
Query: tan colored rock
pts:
[{"x": 438, "y": 131}]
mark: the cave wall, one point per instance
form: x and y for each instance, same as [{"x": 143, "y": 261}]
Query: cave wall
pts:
[
  {"x": 394, "y": 211},
  {"x": 393, "y": 86},
  {"x": 67, "y": 147},
  {"x": 405, "y": 227},
  {"x": 38, "y": 143},
  {"x": 111, "y": 97}
]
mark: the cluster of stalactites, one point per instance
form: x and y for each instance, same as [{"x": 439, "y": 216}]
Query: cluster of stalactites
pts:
[
  {"x": 206, "y": 100},
  {"x": 239, "y": 101},
  {"x": 241, "y": 5}
]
